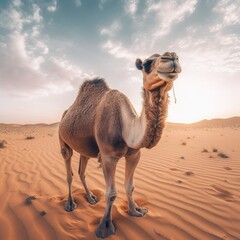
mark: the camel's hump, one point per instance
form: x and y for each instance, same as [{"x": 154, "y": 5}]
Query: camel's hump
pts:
[{"x": 97, "y": 82}]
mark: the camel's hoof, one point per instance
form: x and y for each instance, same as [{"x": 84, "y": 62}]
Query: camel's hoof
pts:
[
  {"x": 70, "y": 206},
  {"x": 92, "y": 199},
  {"x": 105, "y": 229},
  {"x": 137, "y": 212}
]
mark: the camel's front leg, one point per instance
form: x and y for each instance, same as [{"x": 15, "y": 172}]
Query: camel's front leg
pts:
[
  {"x": 106, "y": 227},
  {"x": 131, "y": 163}
]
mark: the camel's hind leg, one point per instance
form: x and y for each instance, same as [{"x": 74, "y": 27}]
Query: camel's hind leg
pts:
[
  {"x": 83, "y": 161},
  {"x": 67, "y": 153},
  {"x": 131, "y": 163}
]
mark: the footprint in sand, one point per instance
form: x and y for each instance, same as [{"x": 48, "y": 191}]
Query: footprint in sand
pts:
[
  {"x": 227, "y": 168},
  {"x": 220, "y": 193},
  {"x": 189, "y": 173},
  {"x": 174, "y": 169},
  {"x": 140, "y": 202},
  {"x": 56, "y": 199}
]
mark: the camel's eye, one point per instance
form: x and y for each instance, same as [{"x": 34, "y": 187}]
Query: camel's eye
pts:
[{"x": 147, "y": 64}]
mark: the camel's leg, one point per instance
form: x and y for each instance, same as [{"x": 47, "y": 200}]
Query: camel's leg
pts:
[
  {"x": 131, "y": 163},
  {"x": 81, "y": 171},
  {"x": 67, "y": 153},
  {"x": 106, "y": 227}
]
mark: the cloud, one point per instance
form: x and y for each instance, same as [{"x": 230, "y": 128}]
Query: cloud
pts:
[
  {"x": 230, "y": 11},
  {"x": 111, "y": 30},
  {"x": 28, "y": 75},
  {"x": 215, "y": 28},
  {"x": 36, "y": 13},
  {"x": 210, "y": 54},
  {"x": 102, "y": 3},
  {"x": 78, "y": 3},
  {"x": 53, "y": 6},
  {"x": 42, "y": 46},
  {"x": 14, "y": 19},
  {"x": 163, "y": 15},
  {"x": 169, "y": 13},
  {"x": 11, "y": 19},
  {"x": 131, "y": 6},
  {"x": 117, "y": 50},
  {"x": 27, "y": 68},
  {"x": 17, "y": 3}
]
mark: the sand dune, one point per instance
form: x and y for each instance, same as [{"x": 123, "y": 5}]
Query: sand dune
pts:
[{"x": 190, "y": 193}]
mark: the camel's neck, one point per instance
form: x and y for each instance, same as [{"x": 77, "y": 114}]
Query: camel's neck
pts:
[
  {"x": 155, "y": 111},
  {"x": 146, "y": 130}
]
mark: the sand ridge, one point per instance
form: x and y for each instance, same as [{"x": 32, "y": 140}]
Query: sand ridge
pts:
[{"x": 189, "y": 194}]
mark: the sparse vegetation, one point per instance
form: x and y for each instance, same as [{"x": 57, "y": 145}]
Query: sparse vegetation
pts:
[
  {"x": 29, "y": 137},
  {"x": 214, "y": 150},
  {"x": 205, "y": 150},
  {"x": 2, "y": 143},
  {"x": 210, "y": 156},
  {"x": 182, "y": 157},
  {"x": 42, "y": 213},
  {"x": 184, "y": 143},
  {"x": 29, "y": 199},
  {"x": 223, "y": 155}
]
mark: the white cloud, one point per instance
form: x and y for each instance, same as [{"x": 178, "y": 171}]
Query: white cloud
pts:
[
  {"x": 78, "y": 3},
  {"x": 210, "y": 54},
  {"x": 17, "y": 3},
  {"x": 27, "y": 69},
  {"x": 131, "y": 6},
  {"x": 14, "y": 19},
  {"x": 42, "y": 46},
  {"x": 191, "y": 29},
  {"x": 101, "y": 3},
  {"x": 30, "y": 75},
  {"x": 169, "y": 13},
  {"x": 11, "y": 19},
  {"x": 36, "y": 13},
  {"x": 230, "y": 11},
  {"x": 35, "y": 31},
  {"x": 111, "y": 30},
  {"x": 53, "y": 6},
  {"x": 117, "y": 50},
  {"x": 215, "y": 28}
]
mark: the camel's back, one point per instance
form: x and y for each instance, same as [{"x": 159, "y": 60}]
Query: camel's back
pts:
[{"x": 78, "y": 122}]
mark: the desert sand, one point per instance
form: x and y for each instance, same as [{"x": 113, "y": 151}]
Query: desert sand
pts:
[{"x": 190, "y": 191}]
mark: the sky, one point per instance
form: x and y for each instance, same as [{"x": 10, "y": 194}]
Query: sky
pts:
[{"x": 48, "y": 48}]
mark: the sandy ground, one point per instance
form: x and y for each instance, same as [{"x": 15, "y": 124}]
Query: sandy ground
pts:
[{"x": 190, "y": 193}]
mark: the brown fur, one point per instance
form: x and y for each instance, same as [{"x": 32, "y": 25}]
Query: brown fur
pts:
[
  {"x": 75, "y": 125},
  {"x": 156, "y": 107}
]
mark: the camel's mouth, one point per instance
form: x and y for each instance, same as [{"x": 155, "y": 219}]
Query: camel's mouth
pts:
[{"x": 168, "y": 77}]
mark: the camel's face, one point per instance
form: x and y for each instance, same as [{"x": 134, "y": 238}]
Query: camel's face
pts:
[{"x": 159, "y": 70}]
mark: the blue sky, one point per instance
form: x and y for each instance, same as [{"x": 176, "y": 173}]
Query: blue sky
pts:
[{"x": 49, "y": 47}]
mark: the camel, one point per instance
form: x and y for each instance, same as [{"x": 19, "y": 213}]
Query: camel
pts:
[{"x": 102, "y": 123}]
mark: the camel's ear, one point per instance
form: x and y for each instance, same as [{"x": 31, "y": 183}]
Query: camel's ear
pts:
[{"x": 139, "y": 64}]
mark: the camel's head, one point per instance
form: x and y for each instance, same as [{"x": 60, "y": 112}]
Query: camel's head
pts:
[{"x": 159, "y": 70}]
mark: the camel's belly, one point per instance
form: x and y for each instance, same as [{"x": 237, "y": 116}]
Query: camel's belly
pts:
[{"x": 85, "y": 146}]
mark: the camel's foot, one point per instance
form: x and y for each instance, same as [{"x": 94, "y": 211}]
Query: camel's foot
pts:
[
  {"x": 137, "y": 212},
  {"x": 70, "y": 205},
  {"x": 105, "y": 229},
  {"x": 92, "y": 199}
]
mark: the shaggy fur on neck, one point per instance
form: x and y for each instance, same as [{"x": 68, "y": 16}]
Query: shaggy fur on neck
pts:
[{"x": 156, "y": 107}]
